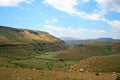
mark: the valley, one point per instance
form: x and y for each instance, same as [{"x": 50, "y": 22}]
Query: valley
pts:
[{"x": 37, "y": 55}]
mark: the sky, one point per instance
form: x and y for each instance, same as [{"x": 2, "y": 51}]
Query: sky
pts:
[{"x": 83, "y": 19}]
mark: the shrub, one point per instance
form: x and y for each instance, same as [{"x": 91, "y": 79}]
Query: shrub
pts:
[
  {"x": 118, "y": 77},
  {"x": 97, "y": 74}
]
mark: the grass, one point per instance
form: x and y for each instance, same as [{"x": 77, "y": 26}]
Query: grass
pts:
[
  {"x": 28, "y": 74},
  {"x": 18, "y": 51},
  {"x": 33, "y": 55},
  {"x": 109, "y": 63},
  {"x": 118, "y": 77},
  {"x": 44, "y": 61},
  {"x": 4, "y": 62},
  {"x": 33, "y": 41},
  {"x": 48, "y": 55},
  {"x": 25, "y": 48},
  {"x": 53, "y": 60},
  {"x": 24, "y": 35},
  {"x": 82, "y": 51}
]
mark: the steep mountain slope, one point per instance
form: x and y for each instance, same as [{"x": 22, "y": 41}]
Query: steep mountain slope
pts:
[
  {"x": 8, "y": 34},
  {"x": 22, "y": 42}
]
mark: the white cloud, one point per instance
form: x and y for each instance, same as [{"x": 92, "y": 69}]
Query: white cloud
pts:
[
  {"x": 102, "y": 31},
  {"x": 13, "y": 2},
  {"x": 98, "y": 31},
  {"x": 63, "y": 5},
  {"x": 109, "y": 5},
  {"x": 63, "y": 32},
  {"x": 114, "y": 33},
  {"x": 115, "y": 23},
  {"x": 86, "y": 1},
  {"x": 93, "y": 16},
  {"x": 51, "y": 21},
  {"x": 54, "y": 20},
  {"x": 81, "y": 33},
  {"x": 69, "y": 6}
]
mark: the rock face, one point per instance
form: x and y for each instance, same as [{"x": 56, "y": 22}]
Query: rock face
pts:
[{"x": 25, "y": 40}]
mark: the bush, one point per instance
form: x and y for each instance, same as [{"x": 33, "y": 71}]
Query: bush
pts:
[
  {"x": 118, "y": 78},
  {"x": 97, "y": 74}
]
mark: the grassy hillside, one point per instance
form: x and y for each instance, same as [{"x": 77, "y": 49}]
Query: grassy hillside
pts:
[
  {"x": 89, "y": 49},
  {"x": 37, "y": 55},
  {"x": 13, "y": 35},
  {"x": 22, "y": 43},
  {"x": 99, "y": 64},
  {"x": 45, "y": 61}
]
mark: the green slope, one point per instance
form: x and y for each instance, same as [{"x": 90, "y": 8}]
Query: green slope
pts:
[
  {"x": 24, "y": 35},
  {"x": 23, "y": 43},
  {"x": 89, "y": 49}
]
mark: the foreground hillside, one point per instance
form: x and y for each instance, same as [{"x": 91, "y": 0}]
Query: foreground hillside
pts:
[
  {"x": 26, "y": 74},
  {"x": 99, "y": 64},
  {"x": 19, "y": 43}
]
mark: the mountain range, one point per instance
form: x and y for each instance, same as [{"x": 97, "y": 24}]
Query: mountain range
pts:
[{"x": 72, "y": 41}]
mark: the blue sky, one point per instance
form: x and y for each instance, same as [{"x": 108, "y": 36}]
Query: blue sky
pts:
[{"x": 82, "y": 19}]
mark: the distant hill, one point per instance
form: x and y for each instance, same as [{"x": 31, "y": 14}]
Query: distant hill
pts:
[
  {"x": 105, "y": 39},
  {"x": 22, "y": 42},
  {"x": 73, "y": 41},
  {"x": 69, "y": 38}
]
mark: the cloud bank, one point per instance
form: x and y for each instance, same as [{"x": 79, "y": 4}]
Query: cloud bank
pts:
[
  {"x": 82, "y": 33},
  {"x": 6, "y": 3},
  {"x": 109, "y": 5},
  {"x": 69, "y": 6}
]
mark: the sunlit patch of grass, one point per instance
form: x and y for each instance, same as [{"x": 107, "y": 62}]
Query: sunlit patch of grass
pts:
[{"x": 48, "y": 55}]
